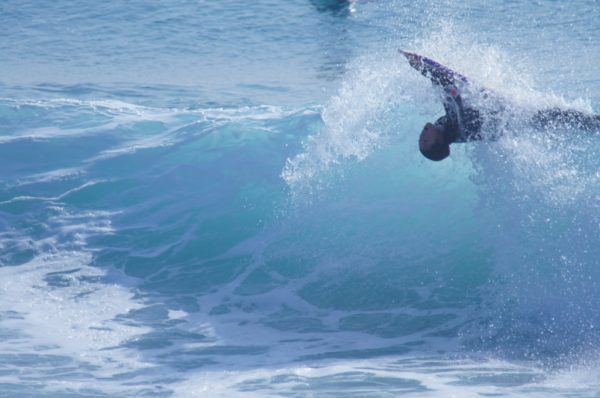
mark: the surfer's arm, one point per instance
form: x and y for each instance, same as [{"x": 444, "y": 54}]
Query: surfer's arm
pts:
[
  {"x": 453, "y": 104},
  {"x": 450, "y": 121},
  {"x": 463, "y": 123}
]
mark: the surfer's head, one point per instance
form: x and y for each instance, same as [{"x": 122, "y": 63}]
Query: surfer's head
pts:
[{"x": 432, "y": 143}]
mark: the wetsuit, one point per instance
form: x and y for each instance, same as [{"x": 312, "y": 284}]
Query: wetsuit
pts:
[
  {"x": 566, "y": 118},
  {"x": 463, "y": 123}
]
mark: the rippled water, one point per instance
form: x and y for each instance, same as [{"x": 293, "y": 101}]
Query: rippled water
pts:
[{"x": 226, "y": 199}]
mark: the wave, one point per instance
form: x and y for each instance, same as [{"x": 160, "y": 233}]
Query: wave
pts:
[{"x": 218, "y": 238}]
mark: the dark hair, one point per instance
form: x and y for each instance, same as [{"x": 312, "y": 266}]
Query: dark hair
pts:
[
  {"x": 437, "y": 151},
  {"x": 432, "y": 143}
]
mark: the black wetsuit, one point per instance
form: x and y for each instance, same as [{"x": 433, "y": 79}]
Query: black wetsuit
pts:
[
  {"x": 566, "y": 117},
  {"x": 463, "y": 123},
  {"x": 460, "y": 123}
]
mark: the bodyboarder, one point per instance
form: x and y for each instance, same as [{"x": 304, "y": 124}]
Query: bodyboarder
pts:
[{"x": 463, "y": 122}]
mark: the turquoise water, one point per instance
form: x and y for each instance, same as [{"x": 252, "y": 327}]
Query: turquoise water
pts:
[{"x": 217, "y": 199}]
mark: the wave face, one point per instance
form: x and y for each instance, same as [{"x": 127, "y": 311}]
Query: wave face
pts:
[{"x": 227, "y": 199}]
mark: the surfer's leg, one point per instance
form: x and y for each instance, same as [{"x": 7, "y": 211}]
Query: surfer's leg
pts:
[{"x": 566, "y": 118}]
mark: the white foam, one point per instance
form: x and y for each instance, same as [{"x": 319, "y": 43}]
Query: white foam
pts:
[
  {"x": 74, "y": 319},
  {"x": 177, "y": 314},
  {"x": 350, "y": 119},
  {"x": 58, "y": 307},
  {"x": 53, "y": 198},
  {"x": 491, "y": 67},
  {"x": 52, "y": 175},
  {"x": 388, "y": 376}
]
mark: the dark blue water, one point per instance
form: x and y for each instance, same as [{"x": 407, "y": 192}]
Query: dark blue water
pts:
[{"x": 227, "y": 199}]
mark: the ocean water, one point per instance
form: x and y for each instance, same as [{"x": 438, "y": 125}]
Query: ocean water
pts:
[{"x": 226, "y": 198}]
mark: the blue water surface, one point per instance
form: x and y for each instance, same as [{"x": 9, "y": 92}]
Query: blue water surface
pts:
[{"x": 217, "y": 199}]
